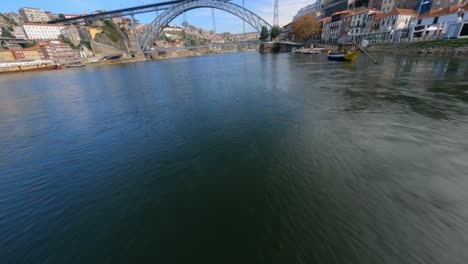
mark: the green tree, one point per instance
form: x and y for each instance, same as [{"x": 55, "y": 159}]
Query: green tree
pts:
[
  {"x": 264, "y": 34},
  {"x": 62, "y": 16},
  {"x": 275, "y": 32}
]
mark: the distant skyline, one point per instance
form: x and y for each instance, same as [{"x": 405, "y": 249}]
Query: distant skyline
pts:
[{"x": 225, "y": 22}]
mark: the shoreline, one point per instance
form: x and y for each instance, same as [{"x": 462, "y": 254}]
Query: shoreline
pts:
[
  {"x": 452, "y": 47},
  {"x": 455, "y": 47}
]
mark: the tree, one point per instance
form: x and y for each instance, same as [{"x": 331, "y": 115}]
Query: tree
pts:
[
  {"x": 305, "y": 27},
  {"x": 264, "y": 34},
  {"x": 61, "y": 16},
  {"x": 275, "y": 32}
]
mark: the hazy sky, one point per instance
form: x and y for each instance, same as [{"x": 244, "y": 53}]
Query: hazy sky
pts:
[{"x": 225, "y": 22}]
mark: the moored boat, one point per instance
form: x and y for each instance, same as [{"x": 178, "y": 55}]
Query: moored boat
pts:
[
  {"x": 349, "y": 56},
  {"x": 346, "y": 52},
  {"x": 28, "y": 66},
  {"x": 75, "y": 65}
]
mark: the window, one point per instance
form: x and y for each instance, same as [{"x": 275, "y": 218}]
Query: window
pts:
[
  {"x": 436, "y": 20},
  {"x": 419, "y": 22}
]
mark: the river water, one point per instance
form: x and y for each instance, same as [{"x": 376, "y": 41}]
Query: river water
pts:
[{"x": 238, "y": 158}]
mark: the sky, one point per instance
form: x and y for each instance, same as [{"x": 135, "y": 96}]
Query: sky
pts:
[{"x": 225, "y": 22}]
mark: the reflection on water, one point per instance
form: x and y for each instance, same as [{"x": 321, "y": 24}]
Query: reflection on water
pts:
[{"x": 238, "y": 158}]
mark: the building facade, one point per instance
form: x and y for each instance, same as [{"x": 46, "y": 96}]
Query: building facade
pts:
[
  {"x": 6, "y": 56},
  {"x": 362, "y": 22},
  {"x": 335, "y": 27},
  {"x": 42, "y": 31},
  {"x": 33, "y": 15},
  {"x": 396, "y": 19},
  {"x": 59, "y": 52},
  {"x": 386, "y": 6},
  {"x": 332, "y": 6},
  {"x": 26, "y": 54},
  {"x": 437, "y": 22}
]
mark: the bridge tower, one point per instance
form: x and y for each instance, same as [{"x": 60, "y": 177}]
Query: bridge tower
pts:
[
  {"x": 276, "y": 15},
  {"x": 213, "y": 20},
  {"x": 185, "y": 25},
  {"x": 243, "y": 21}
]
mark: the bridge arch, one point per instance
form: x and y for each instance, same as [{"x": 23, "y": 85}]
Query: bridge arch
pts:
[{"x": 154, "y": 30}]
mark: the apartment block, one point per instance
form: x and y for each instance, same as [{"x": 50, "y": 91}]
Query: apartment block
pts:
[
  {"x": 33, "y": 15},
  {"x": 30, "y": 54},
  {"x": 6, "y": 56},
  {"x": 42, "y": 31},
  {"x": 58, "y": 51}
]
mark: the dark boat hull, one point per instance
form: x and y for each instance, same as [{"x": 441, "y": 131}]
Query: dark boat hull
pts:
[{"x": 336, "y": 57}]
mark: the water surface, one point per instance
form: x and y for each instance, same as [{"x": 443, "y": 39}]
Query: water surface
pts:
[{"x": 238, "y": 158}]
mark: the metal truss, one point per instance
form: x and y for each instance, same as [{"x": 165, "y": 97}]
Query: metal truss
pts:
[
  {"x": 118, "y": 13},
  {"x": 154, "y": 30}
]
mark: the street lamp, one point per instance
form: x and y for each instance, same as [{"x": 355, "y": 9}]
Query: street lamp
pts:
[{"x": 419, "y": 10}]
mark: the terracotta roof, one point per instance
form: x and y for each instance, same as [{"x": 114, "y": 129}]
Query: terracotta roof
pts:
[
  {"x": 360, "y": 10},
  {"x": 35, "y": 48},
  {"x": 347, "y": 11},
  {"x": 400, "y": 11},
  {"x": 325, "y": 19},
  {"x": 378, "y": 16}
]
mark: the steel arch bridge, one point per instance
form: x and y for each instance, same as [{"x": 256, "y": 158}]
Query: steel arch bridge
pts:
[{"x": 154, "y": 30}]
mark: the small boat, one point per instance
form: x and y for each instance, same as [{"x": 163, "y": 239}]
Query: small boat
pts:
[
  {"x": 312, "y": 51},
  {"x": 75, "y": 65},
  {"x": 349, "y": 56}
]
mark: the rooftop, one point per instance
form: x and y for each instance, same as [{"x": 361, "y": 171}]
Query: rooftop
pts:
[
  {"x": 347, "y": 11},
  {"x": 400, "y": 11}
]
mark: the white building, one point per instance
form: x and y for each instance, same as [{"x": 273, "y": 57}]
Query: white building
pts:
[
  {"x": 42, "y": 31},
  {"x": 438, "y": 22},
  {"x": 396, "y": 19},
  {"x": 359, "y": 22},
  {"x": 335, "y": 27},
  {"x": 33, "y": 15}
]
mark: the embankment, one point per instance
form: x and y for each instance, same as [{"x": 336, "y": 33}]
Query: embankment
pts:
[
  {"x": 198, "y": 52},
  {"x": 455, "y": 47}
]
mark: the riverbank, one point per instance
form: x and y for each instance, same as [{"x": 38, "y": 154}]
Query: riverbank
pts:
[
  {"x": 453, "y": 47},
  {"x": 196, "y": 53}
]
